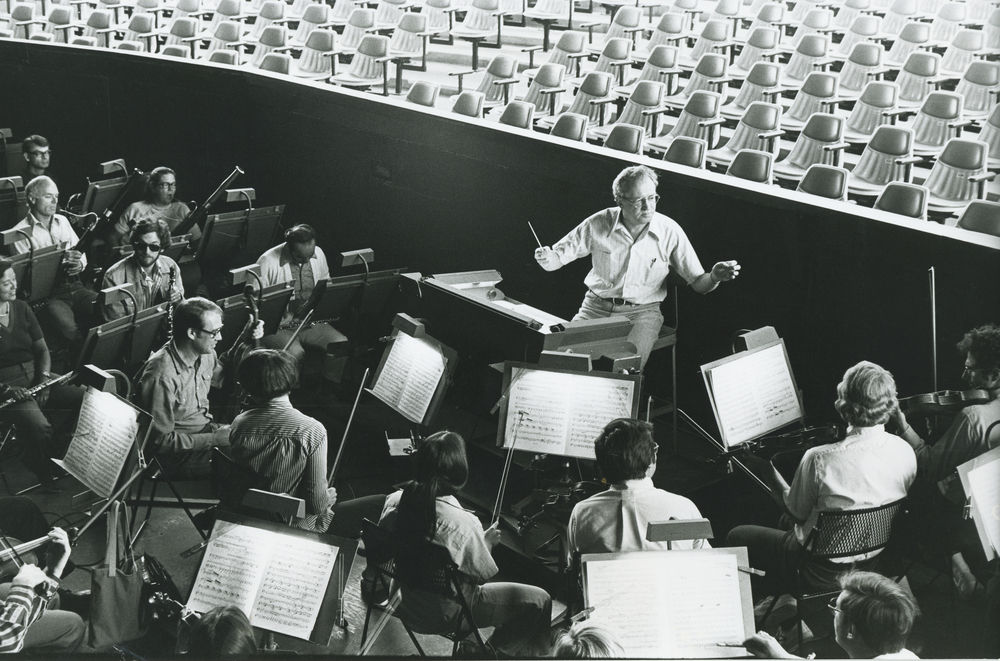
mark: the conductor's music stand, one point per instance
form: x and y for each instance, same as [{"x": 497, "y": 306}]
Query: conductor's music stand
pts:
[{"x": 235, "y": 237}]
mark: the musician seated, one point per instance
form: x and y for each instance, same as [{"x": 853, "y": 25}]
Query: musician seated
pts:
[
  {"x": 870, "y": 467},
  {"x": 37, "y": 154},
  {"x": 155, "y": 277},
  {"x": 158, "y": 203},
  {"x": 301, "y": 262},
  {"x": 70, "y": 307},
  {"x": 872, "y": 619},
  {"x": 174, "y": 385},
  {"x": 24, "y": 363},
  {"x": 427, "y": 510},
  {"x": 615, "y": 520},
  {"x": 938, "y": 499},
  {"x": 30, "y": 618},
  {"x": 222, "y": 632},
  {"x": 286, "y": 449}
]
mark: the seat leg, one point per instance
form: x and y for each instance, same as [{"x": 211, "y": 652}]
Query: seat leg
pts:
[{"x": 416, "y": 643}]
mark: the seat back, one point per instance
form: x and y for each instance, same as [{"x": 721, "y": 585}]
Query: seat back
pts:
[
  {"x": 687, "y": 151},
  {"x": 469, "y": 103},
  {"x": 423, "y": 93},
  {"x": 825, "y": 181},
  {"x": 903, "y": 199},
  {"x": 223, "y": 56},
  {"x": 172, "y": 50},
  {"x": 824, "y": 127},
  {"x": 519, "y": 114},
  {"x": 752, "y": 165},
  {"x": 847, "y": 533},
  {"x": 964, "y": 155},
  {"x": 276, "y": 63},
  {"x": 981, "y": 216},
  {"x": 570, "y": 125},
  {"x": 625, "y": 137}
]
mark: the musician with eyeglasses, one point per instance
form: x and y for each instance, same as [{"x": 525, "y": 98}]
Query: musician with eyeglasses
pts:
[
  {"x": 155, "y": 277},
  {"x": 633, "y": 248},
  {"x": 174, "y": 386},
  {"x": 37, "y": 155},
  {"x": 44, "y": 420},
  {"x": 159, "y": 203},
  {"x": 70, "y": 307}
]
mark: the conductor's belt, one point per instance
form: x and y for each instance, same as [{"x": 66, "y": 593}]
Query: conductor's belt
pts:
[{"x": 616, "y": 300}]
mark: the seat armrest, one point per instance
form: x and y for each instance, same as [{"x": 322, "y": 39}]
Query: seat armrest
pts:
[
  {"x": 898, "y": 113},
  {"x": 985, "y": 176},
  {"x": 836, "y": 152},
  {"x": 716, "y": 121}
]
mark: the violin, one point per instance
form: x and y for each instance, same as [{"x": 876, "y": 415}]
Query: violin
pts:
[
  {"x": 14, "y": 553},
  {"x": 943, "y": 401}
]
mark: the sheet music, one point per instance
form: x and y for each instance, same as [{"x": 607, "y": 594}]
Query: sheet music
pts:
[
  {"x": 104, "y": 435},
  {"x": 410, "y": 376},
  {"x": 279, "y": 580},
  {"x": 674, "y": 604},
  {"x": 981, "y": 482},
  {"x": 753, "y": 394},
  {"x": 290, "y": 597},
  {"x": 563, "y": 413},
  {"x": 540, "y": 316},
  {"x": 400, "y": 447}
]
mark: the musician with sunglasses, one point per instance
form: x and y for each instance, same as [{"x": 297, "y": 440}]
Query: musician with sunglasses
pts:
[
  {"x": 634, "y": 248},
  {"x": 155, "y": 277}
]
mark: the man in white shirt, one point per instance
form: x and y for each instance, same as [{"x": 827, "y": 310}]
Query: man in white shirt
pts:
[
  {"x": 615, "y": 520},
  {"x": 634, "y": 248},
  {"x": 302, "y": 263},
  {"x": 71, "y": 305}
]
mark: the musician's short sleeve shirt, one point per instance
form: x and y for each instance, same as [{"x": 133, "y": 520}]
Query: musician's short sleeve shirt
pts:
[
  {"x": 632, "y": 269},
  {"x": 870, "y": 467},
  {"x": 172, "y": 214},
  {"x": 277, "y": 267},
  {"x": 59, "y": 233}
]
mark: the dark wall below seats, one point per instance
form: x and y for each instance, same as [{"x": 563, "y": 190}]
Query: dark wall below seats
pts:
[{"x": 438, "y": 194}]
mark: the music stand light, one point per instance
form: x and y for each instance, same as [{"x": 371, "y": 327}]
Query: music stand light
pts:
[{"x": 407, "y": 324}]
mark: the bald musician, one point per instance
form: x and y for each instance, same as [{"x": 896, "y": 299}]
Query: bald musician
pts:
[{"x": 634, "y": 248}]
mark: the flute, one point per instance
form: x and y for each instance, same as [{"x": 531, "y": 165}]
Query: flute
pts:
[{"x": 34, "y": 390}]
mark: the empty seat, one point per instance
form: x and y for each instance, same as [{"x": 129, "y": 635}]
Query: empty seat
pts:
[
  {"x": 915, "y": 35},
  {"x": 625, "y": 137},
  {"x": 964, "y": 48},
  {"x": 752, "y": 165},
  {"x": 938, "y": 119},
  {"x": 715, "y": 34},
  {"x": 811, "y": 51},
  {"x": 698, "y": 120},
  {"x": 225, "y": 36},
  {"x": 900, "y": 13},
  {"x": 992, "y": 29},
  {"x": 761, "y": 84},
  {"x": 313, "y": 16},
  {"x": 423, "y": 93},
  {"x": 863, "y": 65},
  {"x": 958, "y": 176},
  {"x": 760, "y": 45},
  {"x": 359, "y": 24},
  {"x": 99, "y": 26},
  {"x": 409, "y": 39},
  {"x": 870, "y": 111},
  {"x": 981, "y": 216},
  {"x": 990, "y": 134},
  {"x": 639, "y": 109},
  {"x": 274, "y": 36},
  {"x": 917, "y": 77},
  {"x": 60, "y": 22},
  {"x": 850, "y": 10},
  {"x": 226, "y": 56},
  {"x": 546, "y": 88},
  {"x": 469, "y": 103},
  {"x": 669, "y": 31},
  {"x": 276, "y": 63},
  {"x": 710, "y": 74},
  {"x": 519, "y": 114},
  {"x": 659, "y": 67},
  {"x": 825, "y": 181},
  {"x": 978, "y": 88},
  {"x": 271, "y": 12},
  {"x": 817, "y": 143},
  {"x": 570, "y": 44},
  {"x": 818, "y": 94},
  {"x": 388, "y": 13},
  {"x": 687, "y": 151},
  {"x": 500, "y": 68},
  {"x": 887, "y": 157},
  {"x": 368, "y": 68},
  {"x": 815, "y": 21},
  {"x": 624, "y": 25},
  {"x": 904, "y": 199},
  {"x": 596, "y": 85},
  {"x": 863, "y": 30},
  {"x": 175, "y": 51},
  {"x": 317, "y": 55},
  {"x": 758, "y": 130},
  {"x": 571, "y": 126},
  {"x": 948, "y": 21}
]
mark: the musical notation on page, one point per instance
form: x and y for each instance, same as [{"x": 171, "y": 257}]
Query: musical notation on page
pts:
[{"x": 410, "y": 376}]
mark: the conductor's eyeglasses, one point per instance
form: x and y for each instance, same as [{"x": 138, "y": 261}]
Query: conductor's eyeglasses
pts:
[
  {"x": 151, "y": 247},
  {"x": 636, "y": 202}
]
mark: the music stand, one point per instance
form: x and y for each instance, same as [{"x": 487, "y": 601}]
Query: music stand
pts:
[
  {"x": 363, "y": 298},
  {"x": 119, "y": 342},
  {"x": 13, "y": 204},
  {"x": 13, "y": 159},
  {"x": 37, "y": 271},
  {"x": 234, "y": 237},
  {"x": 273, "y": 301}
]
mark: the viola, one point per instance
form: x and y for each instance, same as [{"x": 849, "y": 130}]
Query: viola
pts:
[
  {"x": 11, "y": 557},
  {"x": 943, "y": 401}
]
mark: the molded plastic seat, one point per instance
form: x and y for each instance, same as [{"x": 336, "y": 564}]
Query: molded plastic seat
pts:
[
  {"x": 626, "y": 20},
  {"x": 769, "y": 15},
  {"x": 865, "y": 59},
  {"x": 991, "y": 30},
  {"x": 981, "y": 216},
  {"x": 916, "y": 78},
  {"x": 880, "y": 162},
  {"x": 501, "y": 67},
  {"x": 274, "y": 36},
  {"x": 933, "y": 124},
  {"x": 751, "y": 165},
  {"x": 758, "y": 122},
  {"x": 480, "y": 21},
  {"x": 60, "y": 22},
  {"x": 226, "y": 35},
  {"x": 958, "y": 176},
  {"x": 978, "y": 88},
  {"x": 368, "y": 68},
  {"x": 615, "y": 58},
  {"x": 850, "y": 10},
  {"x": 715, "y": 33},
  {"x": 990, "y": 134},
  {"x": 964, "y": 48},
  {"x": 342, "y": 10},
  {"x": 948, "y": 21},
  {"x": 229, "y": 57},
  {"x": 823, "y": 130},
  {"x": 876, "y": 99},
  {"x": 270, "y": 12},
  {"x": 549, "y": 11},
  {"x": 92, "y": 42},
  {"x": 900, "y": 13},
  {"x": 99, "y": 26},
  {"x": 659, "y": 67},
  {"x": 913, "y": 36},
  {"x": 313, "y": 16},
  {"x": 226, "y": 10},
  {"x": 571, "y": 126},
  {"x": 812, "y": 49},
  {"x": 815, "y": 21},
  {"x": 695, "y": 121},
  {"x": 546, "y": 88},
  {"x": 647, "y": 96},
  {"x": 825, "y": 181},
  {"x": 175, "y": 51},
  {"x": 625, "y": 137},
  {"x": 818, "y": 94},
  {"x": 140, "y": 28},
  {"x": 761, "y": 41},
  {"x": 864, "y": 29},
  {"x": 710, "y": 74},
  {"x": 669, "y": 31},
  {"x": 388, "y": 13},
  {"x": 315, "y": 59},
  {"x": 904, "y": 199},
  {"x": 276, "y": 63},
  {"x": 596, "y": 85},
  {"x": 409, "y": 38},
  {"x": 359, "y": 24},
  {"x": 423, "y": 93},
  {"x": 519, "y": 114},
  {"x": 687, "y": 151},
  {"x": 761, "y": 84},
  {"x": 469, "y": 103},
  {"x": 22, "y": 15},
  {"x": 570, "y": 43}
]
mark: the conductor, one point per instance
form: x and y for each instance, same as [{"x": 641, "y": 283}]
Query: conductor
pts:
[{"x": 634, "y": 248}]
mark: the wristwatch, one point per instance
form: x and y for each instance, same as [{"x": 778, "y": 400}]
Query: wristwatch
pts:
[{"x": 46, "y": 589}]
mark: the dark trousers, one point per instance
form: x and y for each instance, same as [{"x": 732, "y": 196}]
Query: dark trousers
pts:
[
  {"x": 347, "y": 515},
  {"x": 45, "y": 432},
  {"x": 70, "y": 309}
]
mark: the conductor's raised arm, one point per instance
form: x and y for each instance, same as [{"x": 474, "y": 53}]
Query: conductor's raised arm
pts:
[{"x": 548, "y": 258}]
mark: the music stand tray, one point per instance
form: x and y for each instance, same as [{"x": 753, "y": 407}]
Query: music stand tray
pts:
[
  {"x": 44, "y": 267},
  {"x": 235, "y": 237}
]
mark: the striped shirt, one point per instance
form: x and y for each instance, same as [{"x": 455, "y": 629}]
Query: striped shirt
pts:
[
  {"x": 286, "y": 449},
  {"x": 22, "y": 608}
]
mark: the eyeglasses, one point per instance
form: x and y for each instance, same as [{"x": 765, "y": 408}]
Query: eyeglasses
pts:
[
  {"x": 39, "y": 152},
  {"x": 650, "y": 201},
  {"x": 214, "y": 333},
  {"x": 151, "y": 247},
  {"x": 968, "y": 370},
  {"x": 166, "y": 186},
  {"x": 832, "y": 604}
]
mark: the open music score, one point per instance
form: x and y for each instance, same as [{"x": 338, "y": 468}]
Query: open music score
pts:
[
  {"x": 671, "y": 604},
  {"x": 411, "y": 377},
  {"x": 562, "y": 412},
  {"x": 981, "y": 481},
  {"x": 753, "y": 393},
  {"x": 279, "y": 578},
  {"x": 105, "y": 434}
]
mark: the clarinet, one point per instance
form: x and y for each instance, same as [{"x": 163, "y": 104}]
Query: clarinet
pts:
[{"x": 170, "y": 304}]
